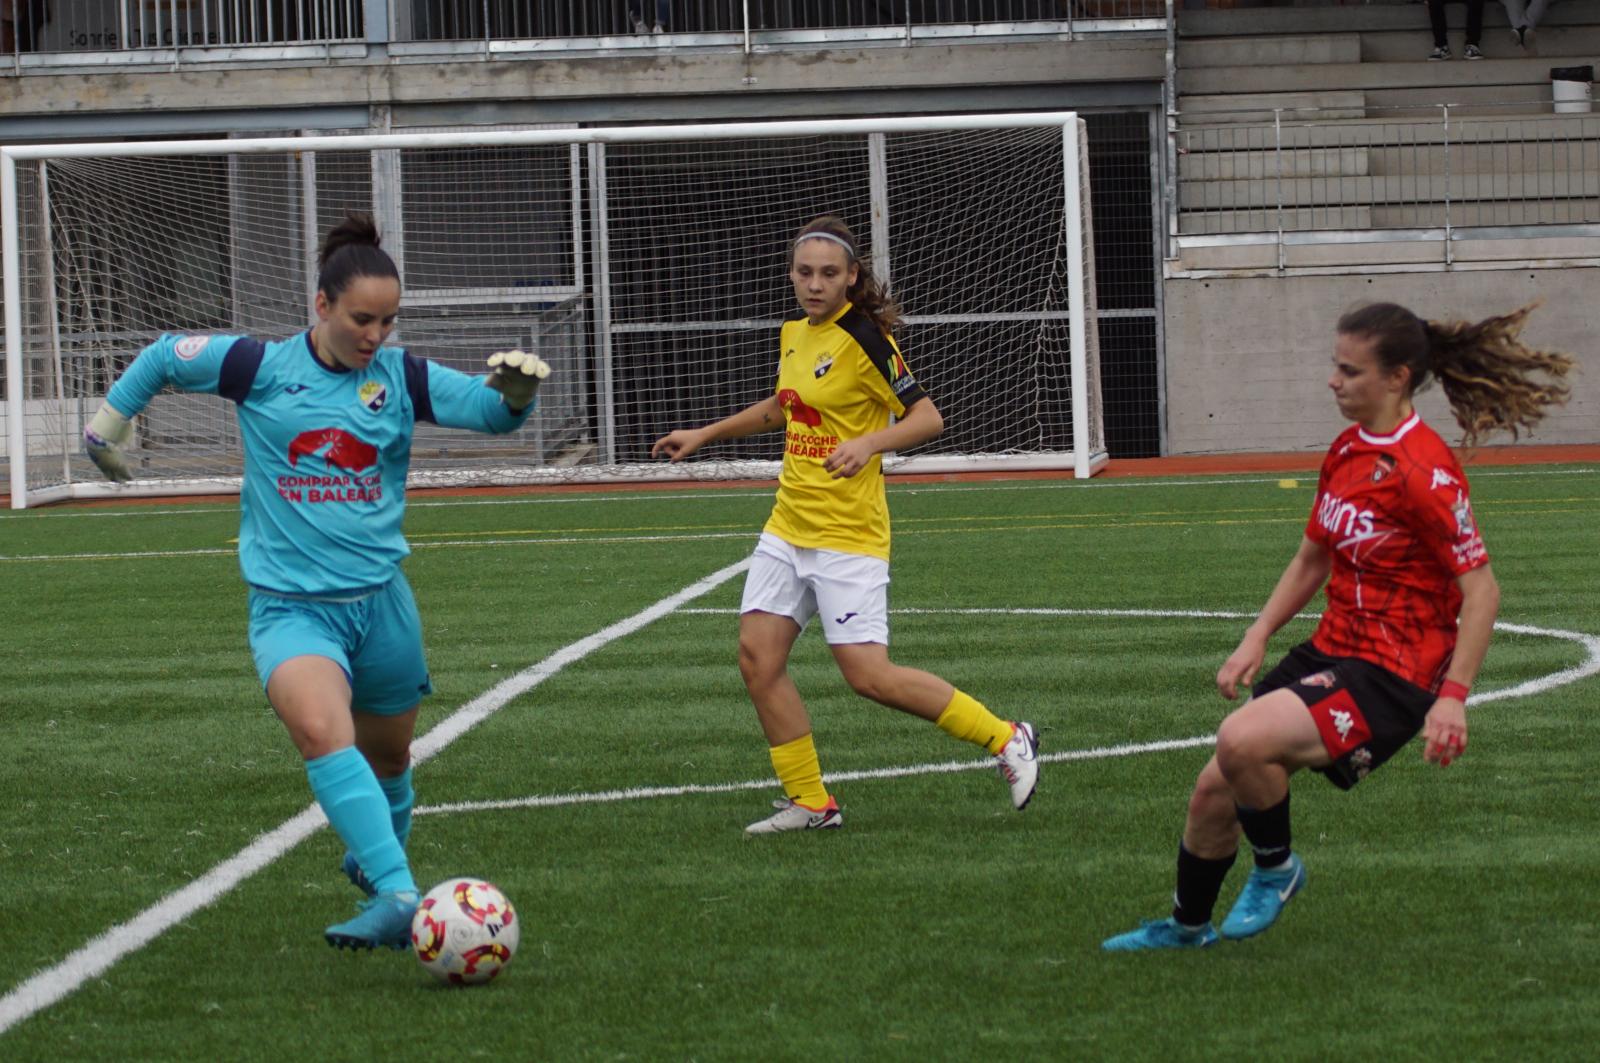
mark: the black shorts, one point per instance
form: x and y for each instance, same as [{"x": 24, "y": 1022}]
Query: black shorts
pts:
[{"x": 1364, "y": 712}]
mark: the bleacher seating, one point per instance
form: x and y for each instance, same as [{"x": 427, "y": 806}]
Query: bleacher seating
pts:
[{"x": 1330, "y": 120}]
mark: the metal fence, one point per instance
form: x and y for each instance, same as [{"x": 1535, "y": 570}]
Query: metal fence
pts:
[
  {"x": 1448, "y": 172},
  {"x": 124, "y": 25},
  {"x": 28, "y": 26}
]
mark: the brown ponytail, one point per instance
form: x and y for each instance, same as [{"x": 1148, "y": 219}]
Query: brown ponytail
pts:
[{"x": 1485, "y": 369}]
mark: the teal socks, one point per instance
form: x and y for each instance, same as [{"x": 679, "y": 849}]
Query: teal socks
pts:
[{"x": 361, "y": 814}]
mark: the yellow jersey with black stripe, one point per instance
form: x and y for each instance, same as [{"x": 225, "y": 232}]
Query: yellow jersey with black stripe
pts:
[{"x": 839, "y": 380}]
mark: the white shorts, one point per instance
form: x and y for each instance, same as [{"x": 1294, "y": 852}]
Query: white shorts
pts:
[{"x": 851, "y": 591}]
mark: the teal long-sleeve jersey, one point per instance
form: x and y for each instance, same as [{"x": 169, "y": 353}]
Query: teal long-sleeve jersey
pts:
[{"x": 326, "y": 451}]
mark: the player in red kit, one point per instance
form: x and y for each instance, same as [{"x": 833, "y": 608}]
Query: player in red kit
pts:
[{"x": 1411, "y": 602}]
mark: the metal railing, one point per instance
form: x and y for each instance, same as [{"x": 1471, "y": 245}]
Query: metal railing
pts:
[
  {"x": 68, "y": 26},
  {"x": 512, "y": 19},
  {"x": 125, "y": 25},
  {"x": 1292, "y": 177}
]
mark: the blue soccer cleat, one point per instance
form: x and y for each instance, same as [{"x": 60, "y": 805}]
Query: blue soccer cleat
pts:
[
  {"x": 1264, "y": 895},
  {"x": 385, "y": 921},
  {"x": 1165, "y": 933},
  {"x": 358, "y": 878}
]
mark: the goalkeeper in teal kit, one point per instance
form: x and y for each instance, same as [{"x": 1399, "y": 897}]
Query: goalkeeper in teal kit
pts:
[{"x": 326, "y": 418}]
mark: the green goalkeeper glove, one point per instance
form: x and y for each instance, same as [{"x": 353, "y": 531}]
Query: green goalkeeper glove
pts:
[
  {"x": 516, "y": 375},
  {"x": 103, "y": 439}
]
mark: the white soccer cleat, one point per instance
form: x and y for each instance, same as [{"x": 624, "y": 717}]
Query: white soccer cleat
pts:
[
  {"x": 792, "y": 816},
  {"x": 1018, "y": 764}
]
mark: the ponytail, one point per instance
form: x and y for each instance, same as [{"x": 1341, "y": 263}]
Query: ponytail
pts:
[{"x": 351, "y": 250}]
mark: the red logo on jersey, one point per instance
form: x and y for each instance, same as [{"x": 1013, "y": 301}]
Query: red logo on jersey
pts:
[
  {"x": 1341, "y": 724},
  {"x": 790, "y": 400},
  {"x": 1382, "y": 467},
  {"x": 343, "y": 451}
]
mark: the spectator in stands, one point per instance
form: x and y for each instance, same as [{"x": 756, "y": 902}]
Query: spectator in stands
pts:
[
  {"x": 663, "y": 16},
  {"x": 1441, "y": 45},
  {"x": 1524, "y": 15}
]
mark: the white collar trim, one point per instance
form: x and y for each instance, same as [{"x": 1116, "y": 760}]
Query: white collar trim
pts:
[{"x": 1394, "y": 437}]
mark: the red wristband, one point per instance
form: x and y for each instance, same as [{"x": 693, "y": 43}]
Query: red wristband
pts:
[{"x": 1451, "y": 689}]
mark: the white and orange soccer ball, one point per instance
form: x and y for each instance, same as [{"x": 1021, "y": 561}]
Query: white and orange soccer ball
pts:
[{"x": 465, "y": 931}]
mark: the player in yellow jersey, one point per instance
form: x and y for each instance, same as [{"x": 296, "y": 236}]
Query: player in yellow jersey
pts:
[{"x": 825, "y": 549}]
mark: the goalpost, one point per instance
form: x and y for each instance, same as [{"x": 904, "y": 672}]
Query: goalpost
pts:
[{"x": 647, "y": 264}]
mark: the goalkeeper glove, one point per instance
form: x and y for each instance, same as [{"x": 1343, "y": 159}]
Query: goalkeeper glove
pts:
[
  {"x": 103, "y": 439},
  {"x": 516, "y": 375}
]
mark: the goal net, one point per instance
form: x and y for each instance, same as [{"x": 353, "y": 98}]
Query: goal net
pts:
[{"x": 648, "y": 265}]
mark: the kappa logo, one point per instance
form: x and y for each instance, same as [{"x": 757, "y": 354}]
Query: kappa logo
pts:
[
  {"x": 189, "y": 347},
  {"x": 373, "y": 395},
  {"x": 1442, "y": 479},
  {"x": 1343, "y": 722}
]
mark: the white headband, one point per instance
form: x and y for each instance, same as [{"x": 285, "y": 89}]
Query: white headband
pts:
[{"x": 841, "y": 241}]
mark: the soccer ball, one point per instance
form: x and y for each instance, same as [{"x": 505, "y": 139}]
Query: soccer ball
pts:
[{"x": 465, "y": 931}]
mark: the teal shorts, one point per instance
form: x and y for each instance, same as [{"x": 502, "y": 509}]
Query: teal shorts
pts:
[{"x": 375, "y": 635}]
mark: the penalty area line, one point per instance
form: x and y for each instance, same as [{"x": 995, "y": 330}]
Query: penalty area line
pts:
[{"x": 52, "y": 984}]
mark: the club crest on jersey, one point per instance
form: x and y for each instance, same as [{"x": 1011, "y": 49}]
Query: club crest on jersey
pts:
[
  {"x": 189, "y": 347},
  {"x": 824, "y": 363},
  {"x": 373, "y": 395},
  {"x": 1382, "y": 467},
  {"x": 1319, "y": 679}
]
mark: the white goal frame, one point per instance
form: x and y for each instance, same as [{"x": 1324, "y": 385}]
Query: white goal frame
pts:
[{"x": 1087, "y": 456}]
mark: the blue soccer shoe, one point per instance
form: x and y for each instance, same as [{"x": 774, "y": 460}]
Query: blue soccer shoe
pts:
[
  {"x": 1262, "y": 899},
  {"x": 385, "y": 921},
  {"x": 1165, "y": 933}
]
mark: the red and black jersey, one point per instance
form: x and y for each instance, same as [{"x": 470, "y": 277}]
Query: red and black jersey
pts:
[{"x": 1393, "y": 513}]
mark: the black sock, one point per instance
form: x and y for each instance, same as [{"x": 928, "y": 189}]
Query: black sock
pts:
[
  {"x": 1199, "y": 882},
  {"x": 1268, "y": 831}
]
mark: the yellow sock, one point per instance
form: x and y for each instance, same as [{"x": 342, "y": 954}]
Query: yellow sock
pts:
[
  {"x": 800, "y": 772},
  {"x": 966, "y": 718}
]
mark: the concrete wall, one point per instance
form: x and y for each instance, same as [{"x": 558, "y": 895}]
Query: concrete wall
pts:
[
  {"x": 1247, "y": 359},
  {"x": 620, "y": 84}
]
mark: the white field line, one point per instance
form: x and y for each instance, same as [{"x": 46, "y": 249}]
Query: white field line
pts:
[
  {"x": 1589, "y": 667},
  {"x": 98, "y": 955},
  {"x": 669, "y": 495},
  {"x": 51, "y": 985},
  {"x": 641, "y": 793},
  {"x": 1583, "y": 670}
]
